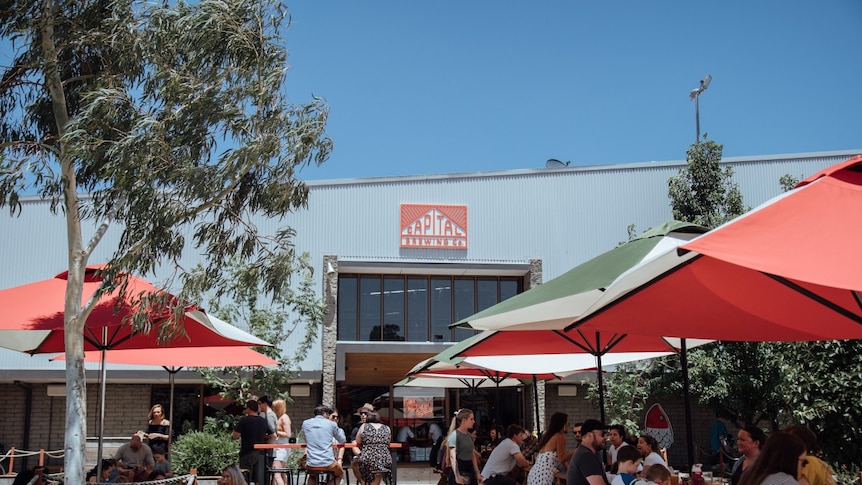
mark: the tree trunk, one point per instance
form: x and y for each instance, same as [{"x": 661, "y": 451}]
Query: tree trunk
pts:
[{"x": 75, "y": 443}]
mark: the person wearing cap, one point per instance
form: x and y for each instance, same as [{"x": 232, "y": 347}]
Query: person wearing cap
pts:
[
  {"x": 586, "y": 467},
  {"x": 363, "y": 418}
]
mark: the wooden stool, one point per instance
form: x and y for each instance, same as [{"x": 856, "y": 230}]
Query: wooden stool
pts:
[{"x": 316, "y": 475}]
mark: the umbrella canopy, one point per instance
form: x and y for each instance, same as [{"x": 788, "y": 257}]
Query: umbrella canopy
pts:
[
  {"x": 177, "y": 358},
  {"x": 571, "y": 350},
  {"x": 33, "y": 322},
  {"x": 33, "y": 317},
  {"x": 560, "y": 301},
  {"x": 455, "y": 382},
  {"x": 787, "y": 271}
]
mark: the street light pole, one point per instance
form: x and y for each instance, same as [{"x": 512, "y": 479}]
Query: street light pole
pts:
[{"x": 695, "y": 95}]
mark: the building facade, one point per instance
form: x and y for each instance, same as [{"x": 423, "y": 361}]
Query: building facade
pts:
[{"x": 399, "y": 259}]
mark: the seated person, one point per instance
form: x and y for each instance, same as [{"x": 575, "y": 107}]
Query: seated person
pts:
[
  {"x": 135, "y": 459},
  {"x": 628, "y": 461},
  {"x": 319, "y": 433},
  {"x": 108, "y": 475},
  {"x": 162, "y": 464},
  {"x": 505, "y": 458},
  {"x": 654, "y": 475}
]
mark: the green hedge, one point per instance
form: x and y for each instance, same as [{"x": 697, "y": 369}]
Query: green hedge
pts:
[{"x": 208, "y": 452}]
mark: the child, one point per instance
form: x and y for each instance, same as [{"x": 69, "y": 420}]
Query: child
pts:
[
  {"x": 628, "y": 460},
  {"x": 162, "y": 464},
  {"x": 653, "y": 475}
]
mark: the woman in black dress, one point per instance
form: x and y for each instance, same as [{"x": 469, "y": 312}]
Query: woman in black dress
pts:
[{"x": 158, "y": 429}]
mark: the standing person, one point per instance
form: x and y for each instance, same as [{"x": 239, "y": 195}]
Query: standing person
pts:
[
  {"x": 265, "y": 410},
  {"x": 158, "y": 430},
  {"x": 505, "y": 457},
  {"x": 373, "y": 439},
  {"x": 718, "y": 437},
  {"x": 253, "y": 429},
  {"x": 586, "y": 467},
  {"x": 465, "y": 464},
  {"x": 815, "y": 471},
  {"x": 648, "y": 447},
  {"x": 617, "y": 437},
  {"x": 749, "y": 441},
  {"x": 319, "y": 432},
  {"x": 435, "y": 432},
  {"x": 283, "y": 433},
  {"x": 780, "y": 462},
  {"x": 552, "y": 451},
  {"x": 265, "y": 407}
]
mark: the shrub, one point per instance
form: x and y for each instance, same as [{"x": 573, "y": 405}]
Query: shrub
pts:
[{"x": 210, "y": 453}]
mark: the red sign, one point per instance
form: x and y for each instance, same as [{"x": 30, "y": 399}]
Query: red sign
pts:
[{"x": 433, "y": 226}]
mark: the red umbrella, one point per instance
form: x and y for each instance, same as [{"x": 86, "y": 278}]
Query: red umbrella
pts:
[
  {"x": 787, "y": 271},
  {"x": 33, "y": 321},
  {"x": 174, "y": 360}
]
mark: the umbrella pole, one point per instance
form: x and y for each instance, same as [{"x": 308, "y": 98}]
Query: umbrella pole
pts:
[
  {"x": 601, "y": 386},
  {"x": 103, "y": 375},
  {"x": 689, "y": 435},
  {"x": 171, "y": 373},
  {"x": 536, "y": 401}
]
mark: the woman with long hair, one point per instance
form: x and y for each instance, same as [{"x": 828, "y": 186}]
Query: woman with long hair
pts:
[
  {"x": 648, "y": 446},
  {"x": 283, "y": 434},
  {"x": 780, "y": 462},
  {"x": 158, "y": 430},
  {"x": 815, "y": 471},
  {"x": 462, "y": 456},
  {"x": 552, "y": 451},
  {"x": 232, "y": 475}
]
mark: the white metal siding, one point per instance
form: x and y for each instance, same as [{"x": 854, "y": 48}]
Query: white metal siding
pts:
[{"x": 561, "y": 216}]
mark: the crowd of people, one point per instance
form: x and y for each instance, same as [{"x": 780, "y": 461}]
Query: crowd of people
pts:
[
  {"x": 603, "y": 455},
  {"x": 608, "y": 455},
  {"x": 143, "y": 458}
]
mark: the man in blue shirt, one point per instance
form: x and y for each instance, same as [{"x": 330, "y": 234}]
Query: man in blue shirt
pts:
[{"x": 320, "y": 433}]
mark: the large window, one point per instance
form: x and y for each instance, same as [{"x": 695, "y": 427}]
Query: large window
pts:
[{"x": 415, "y": 308}]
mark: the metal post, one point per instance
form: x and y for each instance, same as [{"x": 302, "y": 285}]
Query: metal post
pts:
[
  {"x": 697, "y": 116},
  {"x": 689, "y": 434},
  {"x": 102, "y": 388}
]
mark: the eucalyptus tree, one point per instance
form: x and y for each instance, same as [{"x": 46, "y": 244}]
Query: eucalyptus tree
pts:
[{"x": 167, "y": 121}]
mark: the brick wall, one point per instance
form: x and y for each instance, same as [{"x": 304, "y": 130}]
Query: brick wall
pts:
[{"x": 580, "y": 408}]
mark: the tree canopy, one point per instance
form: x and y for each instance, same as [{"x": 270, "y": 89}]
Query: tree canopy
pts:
[{"x": 166, "y": 121}]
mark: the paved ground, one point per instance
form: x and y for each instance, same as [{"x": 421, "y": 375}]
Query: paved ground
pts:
[{"x": 418, "y": 474}]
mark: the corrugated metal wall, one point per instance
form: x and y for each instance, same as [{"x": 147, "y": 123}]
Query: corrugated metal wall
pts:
[{"x": 561, "y": 216}]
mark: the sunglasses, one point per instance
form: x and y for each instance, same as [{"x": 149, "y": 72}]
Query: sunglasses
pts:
[{"x": 363, "y": 414}]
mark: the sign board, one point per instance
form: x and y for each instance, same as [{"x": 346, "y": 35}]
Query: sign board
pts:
[{"x": 433, "y": 226}]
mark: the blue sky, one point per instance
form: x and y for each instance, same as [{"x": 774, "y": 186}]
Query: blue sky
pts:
[{"x": 437, "y": 87}]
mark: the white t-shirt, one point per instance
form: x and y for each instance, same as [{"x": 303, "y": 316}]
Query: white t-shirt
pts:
[
  {"x": 613, "y": 451},
  {"x": 502, "y": 459},
  {"x": 404, "y": 434}
]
